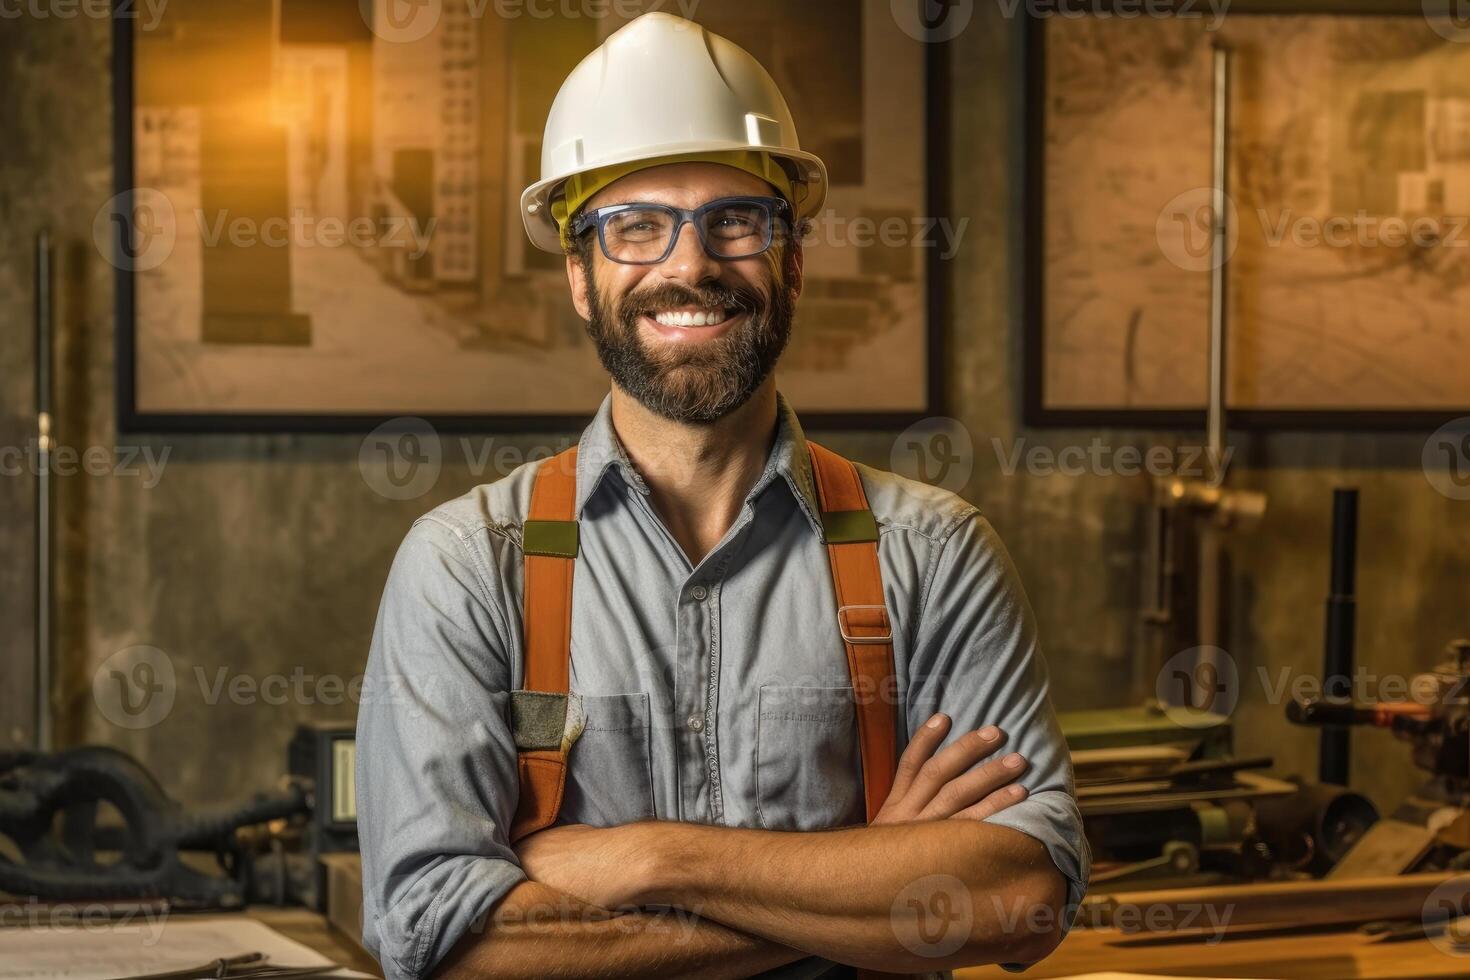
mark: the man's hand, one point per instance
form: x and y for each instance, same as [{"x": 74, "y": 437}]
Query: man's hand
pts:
[
  {"x": 611, "y": 867},
  {"x": 937, "y": 786},
  {"x": 607, "y": 867}
]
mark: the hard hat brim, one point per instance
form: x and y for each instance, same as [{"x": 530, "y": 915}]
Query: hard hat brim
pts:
[{"x": 810, "y": 186}]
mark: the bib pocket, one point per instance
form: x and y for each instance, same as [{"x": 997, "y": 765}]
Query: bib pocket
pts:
[
  {"x": 610, "y": 769},
  {"x": 808, "y": 772}
]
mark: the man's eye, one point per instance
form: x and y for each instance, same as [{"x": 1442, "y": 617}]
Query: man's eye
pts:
[
  {"x": 734, "y": 225},
  {"x": 638, "y": 223}
]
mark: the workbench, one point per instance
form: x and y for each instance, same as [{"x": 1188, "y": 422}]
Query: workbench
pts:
[
  {"x": 1342, "y": 955},
  {"x": 1338, "y": 955}
]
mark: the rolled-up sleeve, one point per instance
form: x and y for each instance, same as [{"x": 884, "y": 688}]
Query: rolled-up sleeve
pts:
[
  {"x": 436, "y": 762},
  {"x": 977, "y": 659}
]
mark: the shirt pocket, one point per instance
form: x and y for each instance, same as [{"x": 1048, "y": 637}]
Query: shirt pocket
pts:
[
  {"x": 808, "y": 774},
  {"x": 610, "y": 768}
]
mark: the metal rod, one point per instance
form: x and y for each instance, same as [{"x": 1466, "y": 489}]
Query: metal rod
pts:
[
  {"x": 43, "y": 492},
  {"x": 1219, "y": 259},
  {"x": 1159, "y": 609},
  {"x": 1333, "y": 764},
  {"x": 1211, "y": 554}
]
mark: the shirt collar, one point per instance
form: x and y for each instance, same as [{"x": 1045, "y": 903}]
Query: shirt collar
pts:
[
  {"x": 792, "y": 461},
  {"x": 600, "y": 451}
]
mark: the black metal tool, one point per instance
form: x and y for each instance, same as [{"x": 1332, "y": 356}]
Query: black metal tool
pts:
[{"x": 49, "y": 805}]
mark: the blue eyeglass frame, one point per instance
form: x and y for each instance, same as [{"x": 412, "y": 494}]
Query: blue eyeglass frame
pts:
[{"x": 778, "y": 207}]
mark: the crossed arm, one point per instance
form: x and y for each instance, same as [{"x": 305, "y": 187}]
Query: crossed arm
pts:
[{"x": 673, "y": 899}]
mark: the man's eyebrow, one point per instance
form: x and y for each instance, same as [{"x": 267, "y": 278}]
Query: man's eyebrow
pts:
[
  {"x": 666, "y": 204},
  {"x": 616, "y": 204}
]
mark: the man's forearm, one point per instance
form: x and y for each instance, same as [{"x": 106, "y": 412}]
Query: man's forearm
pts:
[
  {"x": 537, "y": 931},
  {"x": 833, "y": 893}
]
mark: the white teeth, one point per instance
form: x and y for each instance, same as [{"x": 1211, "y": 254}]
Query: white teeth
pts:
[{"x": 704, "y": 318}]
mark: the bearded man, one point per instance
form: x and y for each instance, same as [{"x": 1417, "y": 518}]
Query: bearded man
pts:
[{"x": 699, "y": 697}]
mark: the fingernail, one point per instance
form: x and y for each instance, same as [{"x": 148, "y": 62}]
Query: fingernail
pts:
[
  {"x": 1016, "y": 790},
  {"x": 936, "y": 721},
  {"x": 1012, "y": 761},
  {"x": 989, "y": 733}
]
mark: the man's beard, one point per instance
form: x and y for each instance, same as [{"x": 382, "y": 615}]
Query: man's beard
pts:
[{"x": 694, "y": 382}]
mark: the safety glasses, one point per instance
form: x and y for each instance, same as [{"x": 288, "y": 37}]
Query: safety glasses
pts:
[{"x": 645, "y": 234}]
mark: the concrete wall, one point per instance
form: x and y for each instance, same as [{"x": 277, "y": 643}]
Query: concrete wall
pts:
[{"x": 265, "y": 555}]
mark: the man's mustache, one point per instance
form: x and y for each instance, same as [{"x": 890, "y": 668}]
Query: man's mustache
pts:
[{"x": 714, "y": 296}]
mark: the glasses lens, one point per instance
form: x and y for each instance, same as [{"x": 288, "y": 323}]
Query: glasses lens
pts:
[
  {"x": 738, "y": 230},
  {"x": 638, "y": 234}
]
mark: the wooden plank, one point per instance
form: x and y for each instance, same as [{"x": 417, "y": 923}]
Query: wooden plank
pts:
[
  {"x": 1389, "y": 847},
  {"x": 1329, "y": 956},
  {"x": 1284, "y": 902},
  {"x": 344, "y": 894}
]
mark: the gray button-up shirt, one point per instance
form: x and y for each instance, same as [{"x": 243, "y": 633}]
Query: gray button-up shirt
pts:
[{"x": 717, "y": 693}]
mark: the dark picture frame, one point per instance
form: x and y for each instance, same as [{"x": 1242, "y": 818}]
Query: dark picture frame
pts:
[
  {"x": 134, "y": 419},
  {"x": 1031, "y": 217}
]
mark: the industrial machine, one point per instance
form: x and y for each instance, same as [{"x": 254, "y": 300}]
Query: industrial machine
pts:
[
  {"x": 1429, "y": 830},
  {"x": 93, "y": 824}
]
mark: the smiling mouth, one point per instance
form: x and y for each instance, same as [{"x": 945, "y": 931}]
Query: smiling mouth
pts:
[{"x": 692, "y": 318}]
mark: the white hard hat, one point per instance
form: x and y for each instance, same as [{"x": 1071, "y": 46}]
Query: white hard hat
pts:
[{"x": 664, "y": 86}]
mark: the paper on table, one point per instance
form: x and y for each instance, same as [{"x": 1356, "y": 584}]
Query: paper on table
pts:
[{"x": 94, "y": 950}]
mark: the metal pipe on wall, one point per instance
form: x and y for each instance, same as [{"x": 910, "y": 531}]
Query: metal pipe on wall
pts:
[
  {"x": 1219, "y": 261},
  {"x": 44, "y": 329},
  {"x": 1211, "y": 547},
  {"x": 1339, "y": 646}
]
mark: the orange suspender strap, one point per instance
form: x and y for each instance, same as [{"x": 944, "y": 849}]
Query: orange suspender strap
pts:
[
  {"x": 862, "y": 617},
  {"x": 549, "y": 543},
  {"x": 851, "y": 533}
]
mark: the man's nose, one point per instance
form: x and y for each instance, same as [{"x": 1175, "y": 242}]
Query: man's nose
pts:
[{"x": 688, "y": 262}]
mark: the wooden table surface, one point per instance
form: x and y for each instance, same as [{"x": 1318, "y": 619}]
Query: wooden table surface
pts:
[
  {"x": 1315, "y": 956},
  {"x": 1344, "y": 955},
  {"x": 1319, "y": 956}
]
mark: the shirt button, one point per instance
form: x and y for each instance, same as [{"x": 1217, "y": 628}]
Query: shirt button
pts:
[
  {"x": 700, "y": 593},
  {"x": 696, "y": 723}
]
